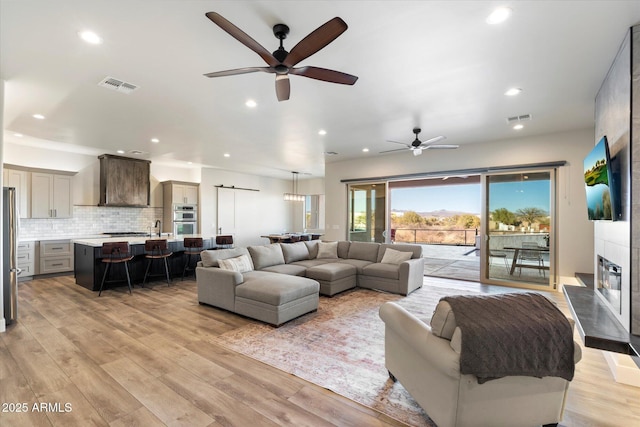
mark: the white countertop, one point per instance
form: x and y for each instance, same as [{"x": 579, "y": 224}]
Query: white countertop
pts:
[{"x": 134, "y": 240}]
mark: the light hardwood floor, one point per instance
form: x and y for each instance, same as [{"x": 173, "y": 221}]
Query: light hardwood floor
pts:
[{"x": 147, "y": 359}]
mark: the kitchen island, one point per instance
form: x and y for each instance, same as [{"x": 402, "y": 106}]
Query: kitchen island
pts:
[{"x": 89, "y": 268}]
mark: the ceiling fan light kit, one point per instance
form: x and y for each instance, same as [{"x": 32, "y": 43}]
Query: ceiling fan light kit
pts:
[{"x": 281, "y": 62}]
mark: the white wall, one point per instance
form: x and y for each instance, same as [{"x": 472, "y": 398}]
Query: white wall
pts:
[
  {"x": 268, "y": 212},
  {"x": 575, "y": 232}
]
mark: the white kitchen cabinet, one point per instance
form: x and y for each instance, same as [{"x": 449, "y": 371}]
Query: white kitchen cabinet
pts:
[
  {"x": 26, "y": 259},
  {"x": 180, "y": 193},
  {"x": 51, "y": 195},
  {"x": 19, "y": 179},
  {"x": 56, "y": 256}
]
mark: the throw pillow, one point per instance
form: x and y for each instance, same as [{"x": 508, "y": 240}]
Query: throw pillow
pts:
[
  {"x": 391, "y": 256},
  {"x": 327, "y": 250},
  {"x": 241, "y": 264}
]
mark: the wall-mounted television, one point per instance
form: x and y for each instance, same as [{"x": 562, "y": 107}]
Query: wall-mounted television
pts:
[{"x": 599, "y": 183}]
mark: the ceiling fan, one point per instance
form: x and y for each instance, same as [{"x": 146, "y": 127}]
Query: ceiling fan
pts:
[
  {"x": 281, "y": 62},
  {"x": 417, "y": 146}
]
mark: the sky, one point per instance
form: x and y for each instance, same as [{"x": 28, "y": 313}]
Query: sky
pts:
[{"x": 468, "y": 198}]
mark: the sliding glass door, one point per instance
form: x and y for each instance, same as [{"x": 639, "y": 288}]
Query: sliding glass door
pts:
[
  {"x": 518, "y": 233},
  {"x": 367, "y": 212}
]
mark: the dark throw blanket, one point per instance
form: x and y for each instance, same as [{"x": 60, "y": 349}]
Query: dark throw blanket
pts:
[{"x": 513, "y": 334}]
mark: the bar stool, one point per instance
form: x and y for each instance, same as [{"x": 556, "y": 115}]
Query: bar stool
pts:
[
  {"x": 115, "y": 253},
  {"x": 224, "y": 242},
  {"x": 156, "y": 249},
  {"x": 192, "y": 247}
]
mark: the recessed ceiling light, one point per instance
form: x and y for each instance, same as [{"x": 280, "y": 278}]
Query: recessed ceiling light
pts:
[
  {"x": 120, "y": 151},
  {"x": 518, "y": 126},
  {"x": 90, "y": 37},
  {"x": 19, "y": 135},
  {"x": 365, "y": 150},
  {"x": 251, "y": 103},
  {"x": 322, "y": 132},
  {"x": 155, "y": 140},
  {"x": 513, "y": 91},
  {"x": 189, "y": 163},
  {"x": 499, "y": 15},
  {"x": 227, "y": 155},
  {"x": 38, "y": 116}
]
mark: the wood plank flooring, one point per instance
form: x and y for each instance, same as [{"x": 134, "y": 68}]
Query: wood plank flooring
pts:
[{"x": 148, "y": 359}]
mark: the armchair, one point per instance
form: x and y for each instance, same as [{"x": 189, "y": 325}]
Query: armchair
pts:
[{"x": 425, "y": 359}]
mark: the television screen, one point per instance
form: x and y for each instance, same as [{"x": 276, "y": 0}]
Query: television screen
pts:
[{"x": 598, "y": 182}]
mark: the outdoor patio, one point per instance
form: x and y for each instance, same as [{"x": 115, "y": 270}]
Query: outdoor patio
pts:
[{"x": 463, "y": 263}]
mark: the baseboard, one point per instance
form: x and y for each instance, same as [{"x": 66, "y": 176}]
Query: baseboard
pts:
[{"x": 623, "y": 368}]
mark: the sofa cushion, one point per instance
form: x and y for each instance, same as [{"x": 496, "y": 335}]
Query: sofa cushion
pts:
[
  {"x": 331, "y": 271},
  {"x": 443, "y": 321},
  {"x": 312, "y": 246},
  {"x": 313, "y": 262},
  {"x": 294, "y": 252},
  {"x": 241, "y": 264},
  {"x": 210, "y": 257},
  {"x": 366, "y": 251},
  {"x": 277, "y": 289},
  {"x": 327, "y": 250},
  {"x": 416, "y": 250},
  {"x": 266, "y": 255},
  {"x": 290, "y": 269},
  {"x": 387, "y": 271},
  {"x": 357, "y": 263},
  {"x": 343, "y": 248},
  {"x": 391, "y": 256}
]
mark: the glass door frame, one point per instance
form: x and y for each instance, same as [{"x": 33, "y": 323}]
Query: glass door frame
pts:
[
  {"x": 381, "y": 200},
  {"x": 485, "y": 259}
]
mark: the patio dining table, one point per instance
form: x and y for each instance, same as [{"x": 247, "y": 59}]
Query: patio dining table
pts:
[{"x": 516, "y": 254}]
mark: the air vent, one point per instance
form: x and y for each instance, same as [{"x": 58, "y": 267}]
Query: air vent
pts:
[
  {"x": 117, "y": 85},
  {"x": 330, "y": 153},
  {"x": 518, "y": 118},
  {"x": 136, "y": 152}
]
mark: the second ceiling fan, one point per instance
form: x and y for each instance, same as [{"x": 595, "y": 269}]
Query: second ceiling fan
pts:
[
  {"x": 417, "y": 146},
  {"x": 281, "y": 62}
]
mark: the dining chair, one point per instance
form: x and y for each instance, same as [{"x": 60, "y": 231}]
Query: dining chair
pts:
[
  {"x": 530, "y": 252},
  {"x": 500, "y": 254}
]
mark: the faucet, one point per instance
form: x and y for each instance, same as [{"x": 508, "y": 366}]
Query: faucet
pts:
[{"x": 159, "y": 227}]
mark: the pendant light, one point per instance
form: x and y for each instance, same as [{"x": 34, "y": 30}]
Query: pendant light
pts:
[{"x": 294, "y": 196}]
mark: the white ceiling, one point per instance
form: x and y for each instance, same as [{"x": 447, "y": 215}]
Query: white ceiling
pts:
[{"x": 435, "y": 64}]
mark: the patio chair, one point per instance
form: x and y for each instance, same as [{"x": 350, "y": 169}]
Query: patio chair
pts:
[{"x": 531, "y": 256}]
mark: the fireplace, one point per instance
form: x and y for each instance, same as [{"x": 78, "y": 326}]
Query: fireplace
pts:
[{"x": 609, "y": 283}]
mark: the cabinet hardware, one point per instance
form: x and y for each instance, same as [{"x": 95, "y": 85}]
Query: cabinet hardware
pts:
[{"x": 57, "y": 265}]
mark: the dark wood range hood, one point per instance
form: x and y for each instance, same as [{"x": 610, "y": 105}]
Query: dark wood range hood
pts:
[{"x": 124, "y": 181}]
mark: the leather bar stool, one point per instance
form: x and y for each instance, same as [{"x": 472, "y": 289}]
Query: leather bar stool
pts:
[
  {"x": 224, "y": 242},
  {"x": 192, "y": 248},
  {"x": 115, "y": 253},
  {"x": 156, "y": 249}
]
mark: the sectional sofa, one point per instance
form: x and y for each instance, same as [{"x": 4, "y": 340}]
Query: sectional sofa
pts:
[{"x": 278, "y": 282}]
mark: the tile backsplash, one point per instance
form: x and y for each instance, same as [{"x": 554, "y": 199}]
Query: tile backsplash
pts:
[{"x": 89, "y": 221}]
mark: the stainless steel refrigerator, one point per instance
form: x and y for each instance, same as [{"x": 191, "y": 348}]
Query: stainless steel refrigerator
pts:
[{"x": 10, "y": 269}]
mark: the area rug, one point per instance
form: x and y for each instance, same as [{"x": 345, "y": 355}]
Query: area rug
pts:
[{"x": 341, "y": 347}]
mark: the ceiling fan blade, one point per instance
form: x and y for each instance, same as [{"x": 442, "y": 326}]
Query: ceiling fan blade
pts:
[
  {"x": 441, "y": 147},
  {"x": 330, "y": 76},
  {"x": 403, "y": 143},
  {"x": 390, "y": 151},
  {"x": 242, "y": 37},
  {"x": 315, "y": 41},
  {"x": 240, "y": 71},
  {"x": 433, "y": 140},
  {"x": 283, "y": 87}
]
